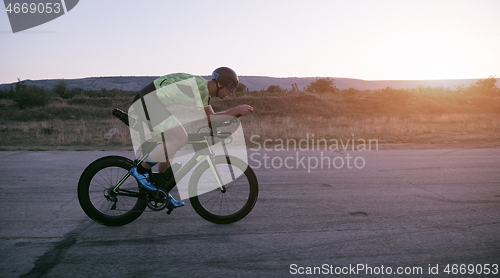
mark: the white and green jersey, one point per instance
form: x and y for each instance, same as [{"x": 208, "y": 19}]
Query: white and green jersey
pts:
[
  {"x": 182, "y": 88},
  {"x": 173, "y": 99}
]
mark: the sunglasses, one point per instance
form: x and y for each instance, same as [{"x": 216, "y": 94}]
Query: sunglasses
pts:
[{"x": 231, "y": 87}]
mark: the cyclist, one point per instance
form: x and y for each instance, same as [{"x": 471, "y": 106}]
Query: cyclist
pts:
[{"x": 174, "y": 89}]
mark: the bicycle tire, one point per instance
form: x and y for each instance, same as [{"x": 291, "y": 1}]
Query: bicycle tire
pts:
[
  {"x": 96, "y": 182},
  {"x": 232, "y": 205}
]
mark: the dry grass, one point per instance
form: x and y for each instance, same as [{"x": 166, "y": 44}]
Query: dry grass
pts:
[
  {"x": 392, "y": 117},
  {"x": 62, "y": 124},
  {"x": 411, "y": 129},
  {"x": 432, "y": 117},
  {"x": 59, "y": 133}
]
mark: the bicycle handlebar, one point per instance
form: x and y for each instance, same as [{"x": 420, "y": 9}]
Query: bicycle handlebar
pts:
[{"x": 122, "y": 116}]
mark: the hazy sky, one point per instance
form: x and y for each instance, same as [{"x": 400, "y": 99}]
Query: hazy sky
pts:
[{"x": 371, "y": 40}]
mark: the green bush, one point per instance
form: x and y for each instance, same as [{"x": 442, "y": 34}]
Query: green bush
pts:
[
  {"x": 6, "y": 93},
  {"x": 275, "y": 89},
  {"x": 241, "y": 87},
  {"x": 31, "y": 96},
  {"x": 484, "y": 87},
  {"x": 62, "y": 90},
  {"x": 322, "y": 85}
]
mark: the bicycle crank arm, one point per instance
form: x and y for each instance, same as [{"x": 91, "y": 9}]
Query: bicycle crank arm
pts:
[{"x": 129, "y": 193}]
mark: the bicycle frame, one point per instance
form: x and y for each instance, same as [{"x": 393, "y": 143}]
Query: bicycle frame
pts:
[
  {"x": 202, "y": 149},
  {"x": 217, "y": 195}
]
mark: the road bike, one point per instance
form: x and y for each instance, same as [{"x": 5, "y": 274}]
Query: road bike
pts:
[{"x": 109, "y": 195}]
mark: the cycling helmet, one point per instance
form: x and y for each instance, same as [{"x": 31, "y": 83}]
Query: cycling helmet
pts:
[{"x": 226, "y": 77}]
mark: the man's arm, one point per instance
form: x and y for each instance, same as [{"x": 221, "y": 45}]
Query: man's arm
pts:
[{"x": 237, "y": 111}]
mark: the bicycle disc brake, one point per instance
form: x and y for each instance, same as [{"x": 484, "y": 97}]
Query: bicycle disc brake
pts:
[{"x": 158, "y": 200}]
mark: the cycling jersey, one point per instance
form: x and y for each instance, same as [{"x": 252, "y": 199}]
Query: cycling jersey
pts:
[
  {"x": 160, "y": 100},
  {"x": 184, "y": 89}
]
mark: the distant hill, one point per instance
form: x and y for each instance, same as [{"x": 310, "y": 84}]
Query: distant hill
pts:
[
  {"x": 253, "y": 83},
  {"x": 256, "y": 83}
]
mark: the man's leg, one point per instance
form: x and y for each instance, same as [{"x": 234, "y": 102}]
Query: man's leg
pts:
[{"x": 163, "y": 155}]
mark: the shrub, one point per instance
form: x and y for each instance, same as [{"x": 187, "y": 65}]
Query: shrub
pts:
[
  {"x": 7, "y": 93},
  {"x": 275, "y": 89},
  {"x": 322, "y": 85},
  {"x": 485, "y": 87},
  {"x": 30, "y": 96},
  {"x": 241, "y": 87},
  {"x": 62, "y": 90}
]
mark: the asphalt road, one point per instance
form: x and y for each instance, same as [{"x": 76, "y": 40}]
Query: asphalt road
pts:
[{"x": 413, "y": 211}]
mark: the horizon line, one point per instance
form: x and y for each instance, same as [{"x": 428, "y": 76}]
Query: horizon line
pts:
[{"x": 301, "y": 77}]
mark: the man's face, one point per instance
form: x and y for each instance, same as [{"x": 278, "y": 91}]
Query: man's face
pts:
[{"x": 224, "y": 92}]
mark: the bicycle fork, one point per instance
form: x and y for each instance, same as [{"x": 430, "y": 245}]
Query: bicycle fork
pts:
[{"x": 215, "y": 171}]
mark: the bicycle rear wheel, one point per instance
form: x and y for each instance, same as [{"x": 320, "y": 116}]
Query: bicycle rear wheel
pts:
[
  {"x": 98, "y": 200},
  {"x": 234, "y": 201}
]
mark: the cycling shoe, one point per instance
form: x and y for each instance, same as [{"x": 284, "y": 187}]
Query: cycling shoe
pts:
[
  {"x": 174, "y": 203},
  {"x": 143, "y": 179}
]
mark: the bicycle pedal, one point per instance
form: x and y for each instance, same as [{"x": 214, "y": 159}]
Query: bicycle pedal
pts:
[{"x": 170, "y": 208}]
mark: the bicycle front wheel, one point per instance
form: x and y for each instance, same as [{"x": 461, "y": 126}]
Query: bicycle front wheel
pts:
[
  {"x": 232, "y": 202},
  {"x": 98, "y": 200}
]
